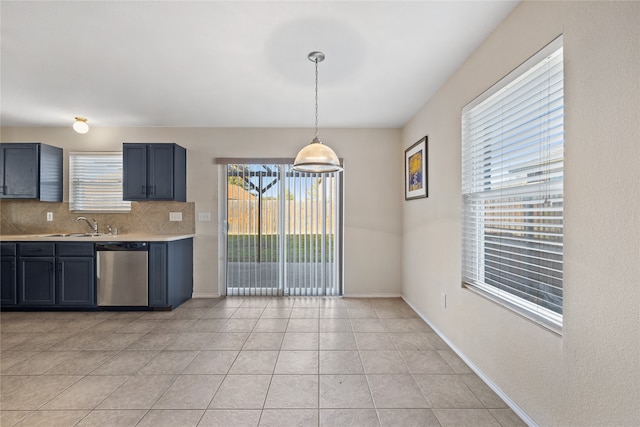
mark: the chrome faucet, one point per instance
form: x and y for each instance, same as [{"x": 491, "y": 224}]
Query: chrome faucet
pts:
[{"x": 94, "y": 226}]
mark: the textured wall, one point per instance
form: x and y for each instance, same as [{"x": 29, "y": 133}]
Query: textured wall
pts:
[{"x": 588, "y": 376}]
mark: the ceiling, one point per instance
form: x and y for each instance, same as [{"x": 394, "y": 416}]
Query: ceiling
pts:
[{"x": 232, "y": 64}]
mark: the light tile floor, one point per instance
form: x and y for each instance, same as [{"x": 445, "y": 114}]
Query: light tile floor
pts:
[{"x": 239, "y": 361}]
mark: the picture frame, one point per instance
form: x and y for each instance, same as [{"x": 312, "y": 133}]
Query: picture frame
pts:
[{"x": 416, "y": 178}]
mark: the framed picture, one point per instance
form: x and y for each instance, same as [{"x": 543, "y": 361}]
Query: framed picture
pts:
[{"x": 416, "y": 182}]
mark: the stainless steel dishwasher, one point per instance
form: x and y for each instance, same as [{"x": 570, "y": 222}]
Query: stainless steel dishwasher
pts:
[{"x": 123, "y": 274}]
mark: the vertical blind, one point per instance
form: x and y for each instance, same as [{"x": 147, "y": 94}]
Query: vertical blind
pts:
[
  {"x": 95, "y": 182},
  {"x": 313, "y": 233},
  {"x": 512, "y": 189},
  {"x": 253, "y": 229},
  {"x": 283, "y": 233}
]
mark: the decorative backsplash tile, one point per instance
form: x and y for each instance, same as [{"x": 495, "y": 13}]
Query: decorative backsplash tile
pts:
[{"x": 30, "y": 217}]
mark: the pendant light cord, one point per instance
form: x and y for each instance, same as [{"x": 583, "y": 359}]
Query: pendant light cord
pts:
[{"x": 316, "y": 61}]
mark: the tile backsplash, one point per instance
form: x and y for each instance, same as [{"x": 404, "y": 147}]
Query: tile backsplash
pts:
[{"x": 30, "y": 217}]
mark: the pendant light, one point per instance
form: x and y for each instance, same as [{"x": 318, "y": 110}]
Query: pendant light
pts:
[
  {"x": 80, "y": 125},
  {"x": 317, "y": 157}
]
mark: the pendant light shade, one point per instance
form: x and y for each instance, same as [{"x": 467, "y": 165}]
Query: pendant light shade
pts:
[
  {"x": 317, "y": 157},
  {"x": 80, "y": 125}
]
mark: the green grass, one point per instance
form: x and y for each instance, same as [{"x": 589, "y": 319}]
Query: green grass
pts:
[{"x": 300, "y": 248}]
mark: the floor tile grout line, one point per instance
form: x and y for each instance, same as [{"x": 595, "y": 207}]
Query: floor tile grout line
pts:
[
  {"x": 373, "y": 401},
  {"x": 364, "y": 330},
  {"x": 58, "y": 394}
]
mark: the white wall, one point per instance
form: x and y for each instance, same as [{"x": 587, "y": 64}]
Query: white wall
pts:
[
  {"x": 373, "y": 188},
  {"x": 591, "y": 374}
]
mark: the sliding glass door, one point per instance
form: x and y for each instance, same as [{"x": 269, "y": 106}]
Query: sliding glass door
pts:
[{"x": 282, "y": 231}]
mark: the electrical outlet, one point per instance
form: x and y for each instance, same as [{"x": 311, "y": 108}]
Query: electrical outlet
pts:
[
  {"x": 175, "y": 216},
  {"x": 204, "y": 216},
  {"x": 49, "y": 216},
  {"x": 443, "y": 299}
]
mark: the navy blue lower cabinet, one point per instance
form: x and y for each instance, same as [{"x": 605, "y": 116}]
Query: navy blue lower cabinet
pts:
[
  {"x": 158, "y": 275},
  {"x": 76, "y": 276},
  {"x": 63, "y": 275},
  {"x": 75, "y": 284},
  {"x": 36, "y": 281},
  {"x": 170, "y": 273},
  {"x": 8, "y": 282},
  {"x": 47, "y": 274}
]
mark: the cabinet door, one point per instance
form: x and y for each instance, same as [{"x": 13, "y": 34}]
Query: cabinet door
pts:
[
  {"x": 160, "y": 173},
  {"x": 75, "y": 284},
  {"x": 8, "y": 283},
  {"x": 157, "y": 274},
  {"x": 180, "y": 271},
  {"x": 36, "y": 280},
  {"x": 50, "y": 181},
  {"x": 20, "y": 171},
  {"x": 134, "y": 171}
]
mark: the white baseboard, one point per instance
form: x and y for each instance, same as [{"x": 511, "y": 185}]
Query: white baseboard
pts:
[
  {"x": 523, "y": 415},
  {"x": 204, "y": 295},
  {"x": 213, "y": 295},
  {"x": 372, "y": 295}
]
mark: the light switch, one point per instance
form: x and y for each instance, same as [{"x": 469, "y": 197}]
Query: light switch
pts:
[
  {"x": 204, "y": 216},
  {"x": 49, "y": 216},
  {"x": 175, "y": 216}
]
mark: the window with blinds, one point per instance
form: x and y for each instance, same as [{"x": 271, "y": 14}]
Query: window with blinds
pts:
[
  {"x": 95, "y": 182},
  {"x": 512, "y": 189}
]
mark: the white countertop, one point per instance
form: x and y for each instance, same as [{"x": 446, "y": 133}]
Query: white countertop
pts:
[{"x": 132, "y": 237}]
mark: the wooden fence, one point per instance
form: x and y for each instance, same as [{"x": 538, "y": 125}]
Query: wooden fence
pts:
[{"x": 303, "y": 217}]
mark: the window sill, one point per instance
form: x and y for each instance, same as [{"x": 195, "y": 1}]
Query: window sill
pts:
[{"x": 539, "y": 320}]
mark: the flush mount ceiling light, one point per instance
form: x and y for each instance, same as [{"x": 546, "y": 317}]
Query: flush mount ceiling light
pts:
[
  {"x": 80, "y": 125},
  {"x": 317, "y": 157}
]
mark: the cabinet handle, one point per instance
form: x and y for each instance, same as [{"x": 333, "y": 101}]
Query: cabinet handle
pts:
[
  {"x": 144, "y": 191},
  {"x": 151, "y": 189},
  {"x": 51, "y": 265}
]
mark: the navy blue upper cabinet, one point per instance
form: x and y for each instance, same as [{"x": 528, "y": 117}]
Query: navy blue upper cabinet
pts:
[
  {"x": 154, "y": 172},
  {"x": 134, "y": 176},
  {"x": 30, "y": 171}
]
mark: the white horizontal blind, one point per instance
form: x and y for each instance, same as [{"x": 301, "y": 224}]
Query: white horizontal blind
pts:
[
  {"x": 512, "y": 188},
  {"x": 95, "y": 182}
]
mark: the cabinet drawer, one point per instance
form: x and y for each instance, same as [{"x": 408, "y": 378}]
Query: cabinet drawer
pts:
[
  {"x": 74, "y": 249},
  {"x": 36, "y": 249},
  {"x": 8, "y": 249}
]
